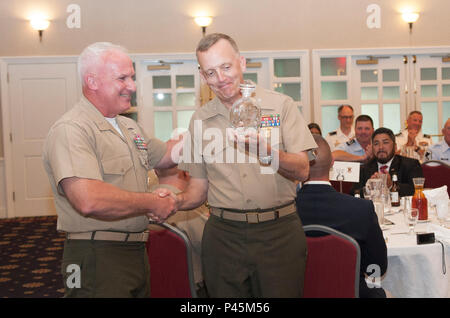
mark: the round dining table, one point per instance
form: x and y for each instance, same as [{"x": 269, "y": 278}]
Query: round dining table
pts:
[{"x": 416, "y": 271}]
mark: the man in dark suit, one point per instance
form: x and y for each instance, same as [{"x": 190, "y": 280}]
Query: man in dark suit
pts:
[
  {"x": 386, "y": 161},
  {"x": 319, "y": 203}
]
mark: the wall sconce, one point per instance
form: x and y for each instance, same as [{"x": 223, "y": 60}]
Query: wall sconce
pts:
[
  {"x": 40, "y": 24},
  {"x": 410, "y": 18},
  {"x": 203, "y": 22}
]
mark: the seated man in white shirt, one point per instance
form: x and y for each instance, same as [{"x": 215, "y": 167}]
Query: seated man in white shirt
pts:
[
  {"x": 359, "y": 148},
  {"x": 441, "y": 150},
  {"x": 345, "y": 132},
  {"x": 411, "y": 142}
]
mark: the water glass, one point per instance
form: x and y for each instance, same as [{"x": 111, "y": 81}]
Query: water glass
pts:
[
  {"x": 411, "y": 216},
  {"x": 379, "y": 210},
  {"x": 367, "y": 192},
  {"x": 386, "y": 196}
]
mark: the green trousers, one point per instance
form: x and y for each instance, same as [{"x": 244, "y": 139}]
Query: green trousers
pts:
[
  {"x": 254, "y": 260},
  {"x": 105, "y": 269}
]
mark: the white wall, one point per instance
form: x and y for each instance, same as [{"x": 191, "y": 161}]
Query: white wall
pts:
[
  {"x": 167, "y": 26},
  {"x": 2, "y": 190}
]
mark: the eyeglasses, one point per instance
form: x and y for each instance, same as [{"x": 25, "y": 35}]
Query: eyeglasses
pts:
[{"x": 346, "y": 117}]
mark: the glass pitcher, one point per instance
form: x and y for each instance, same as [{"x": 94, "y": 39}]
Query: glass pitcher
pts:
[
  {"x": 376, "y": 190},
  {"x": 419, "y": 200}
]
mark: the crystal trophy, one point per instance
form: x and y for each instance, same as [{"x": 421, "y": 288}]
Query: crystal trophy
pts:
[
  {"x": 245, "y": 112},
  {"x": 245, "y": 115}
]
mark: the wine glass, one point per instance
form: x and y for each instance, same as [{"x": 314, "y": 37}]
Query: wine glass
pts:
[{"x": 411, "y": 216}]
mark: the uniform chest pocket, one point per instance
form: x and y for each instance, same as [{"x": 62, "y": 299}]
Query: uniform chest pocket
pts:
[
  {"x": 219, "y": 163},
  {"x": 114, "y": 169}
]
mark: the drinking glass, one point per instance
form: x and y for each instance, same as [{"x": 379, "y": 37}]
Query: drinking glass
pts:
[
  {"x": 411, "y": 216},
  {"x": 386, "y": 195},
  {"x": 379, "y": 211},
  {"x": 367, "y": 192}
]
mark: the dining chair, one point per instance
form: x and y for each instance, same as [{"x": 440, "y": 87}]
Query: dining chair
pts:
[
  {"x": 332, "y": 264},
  {"x": 170, "y": 256},
  {"x": 342, "y": 186},
  {"x": 437, "y": 174}
]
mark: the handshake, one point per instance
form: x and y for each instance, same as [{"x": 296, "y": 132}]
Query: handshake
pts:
[{"x": 166, "y": 204}]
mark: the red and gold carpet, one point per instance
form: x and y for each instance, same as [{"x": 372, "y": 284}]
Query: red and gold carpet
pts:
[{"x": 30, "y": 258}]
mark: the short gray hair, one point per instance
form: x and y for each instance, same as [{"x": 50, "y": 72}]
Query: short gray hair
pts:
[
  {"x": 211, "y": 39},
  {"x": 92, "y": 54}
]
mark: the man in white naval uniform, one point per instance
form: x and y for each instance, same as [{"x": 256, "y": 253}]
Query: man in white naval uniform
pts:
[
  {"x": 345, "y": 132},
  {"x": 411, "y": 142}
]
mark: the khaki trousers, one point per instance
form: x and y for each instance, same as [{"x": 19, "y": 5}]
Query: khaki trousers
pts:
[
  {"x": 254, "y": 260},
  {"x": 106, "y": 268}
]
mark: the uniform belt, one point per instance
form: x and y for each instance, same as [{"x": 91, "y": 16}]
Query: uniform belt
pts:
[
  {"x": 254, "y": 216},
  {"x": 109, "y": 236}
]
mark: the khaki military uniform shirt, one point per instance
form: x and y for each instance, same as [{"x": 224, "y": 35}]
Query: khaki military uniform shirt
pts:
[
  {"x": 337, "y": 137},
  {"x": 83, "y": 144},
  {"x": 242, "y": 185}
]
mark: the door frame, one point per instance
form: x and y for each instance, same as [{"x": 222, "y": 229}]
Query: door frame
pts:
[{"x": 6, "y": 116}]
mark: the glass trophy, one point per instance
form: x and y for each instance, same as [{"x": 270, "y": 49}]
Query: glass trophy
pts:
[{"x": 245, "y": 115}]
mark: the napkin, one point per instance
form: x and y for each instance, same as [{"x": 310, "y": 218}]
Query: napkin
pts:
[
  {"x": 440, "y": 232},
  {"x": 439, "y": 198}
]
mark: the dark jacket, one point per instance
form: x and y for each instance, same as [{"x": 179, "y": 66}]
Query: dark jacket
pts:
[
  {"x": 322, "y": 204},
  {"x": 405, "y": 168}
]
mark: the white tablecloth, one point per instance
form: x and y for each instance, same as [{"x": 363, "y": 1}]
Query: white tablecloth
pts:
[{"x": 416, "y": 270}]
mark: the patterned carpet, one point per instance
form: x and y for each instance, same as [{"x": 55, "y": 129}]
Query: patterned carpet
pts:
[{"x": 30, "y": 258}]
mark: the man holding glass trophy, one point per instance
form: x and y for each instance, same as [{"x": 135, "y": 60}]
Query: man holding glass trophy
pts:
[{"x": 252, "y": 208}]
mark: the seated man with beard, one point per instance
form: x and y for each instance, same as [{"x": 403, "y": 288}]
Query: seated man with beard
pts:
[{"x": 386, "y": 161}]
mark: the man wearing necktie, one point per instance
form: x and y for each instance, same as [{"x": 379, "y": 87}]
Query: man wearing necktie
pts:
[{"x": 385, "y": 161}]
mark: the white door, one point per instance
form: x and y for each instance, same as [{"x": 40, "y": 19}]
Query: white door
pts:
[
  {"x": 381, "y": 90},
  {"x": 432, "y": 97},
  {"x": 39, "y": 95},
  {"x": 170, "y": 94}
]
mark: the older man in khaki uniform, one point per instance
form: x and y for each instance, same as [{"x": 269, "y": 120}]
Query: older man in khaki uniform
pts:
[
  {"x": 253, "y": 243},
  {"x": 97, "y": 163}
]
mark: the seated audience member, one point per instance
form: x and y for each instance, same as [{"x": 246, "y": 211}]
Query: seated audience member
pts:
[
  {"x": 319, "y": 203},
  {"x": 386, "y": 161},
  {"x": 192, "y": 222},
  {"x": 441, "y": 150},
  {"x": 345, "y": 131},
  {"x": 314, "y": 129},
  {"x": 358, "y": 148},
  {"x": 413, "y": 138}
]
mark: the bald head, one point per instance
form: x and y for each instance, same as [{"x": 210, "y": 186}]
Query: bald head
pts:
[
  {"x": 320, "y": 167},
  {"x": 446, "y": 131}
]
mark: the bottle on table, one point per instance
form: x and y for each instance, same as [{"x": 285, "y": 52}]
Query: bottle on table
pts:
[
  {"x": 395, "y": 196},
  {"x": 419, "y": 201}
]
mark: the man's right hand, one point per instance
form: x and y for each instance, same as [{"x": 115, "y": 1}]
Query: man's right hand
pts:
[
  {"x": 412, "y": 134},
  {"x": 165, "y": 205}
]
